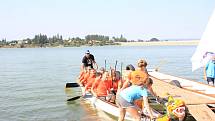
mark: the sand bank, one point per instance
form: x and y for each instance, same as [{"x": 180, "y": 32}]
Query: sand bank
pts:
[{"x": 161, "y": 43}]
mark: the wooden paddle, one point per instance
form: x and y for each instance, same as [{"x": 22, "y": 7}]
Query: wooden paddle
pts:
[
  {"x": 121, "y": 71},
  {"x": 115, "y": 65},
  {"x": 77, "y": 97},
  {"x": 68, "y": 85},
  {"x": 114, "y": 72},
  {"x": 105, "y": 65},
  {"x": 74, "y": 98}
]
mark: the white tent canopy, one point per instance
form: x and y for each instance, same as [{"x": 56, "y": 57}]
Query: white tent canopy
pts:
[{"x": 206, "y": 44}]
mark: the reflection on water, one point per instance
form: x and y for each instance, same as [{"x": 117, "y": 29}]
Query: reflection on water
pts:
[{"x": 82, "y": 110}]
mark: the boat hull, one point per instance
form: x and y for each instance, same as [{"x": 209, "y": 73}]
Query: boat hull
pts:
[
  {"x": 194, "y": 86},
  {"x": 110, "y": 108}
]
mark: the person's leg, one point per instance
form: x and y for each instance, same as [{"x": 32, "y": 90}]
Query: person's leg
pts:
[
  {"x": 213, "y": 81},
  {"x": 134, "y": 113},
  {"x": 102, "y": 98},
  {"x": 122, "y": 112},
  {"x": 113, "y": 99},
  {"x": 210, "y": 81}
]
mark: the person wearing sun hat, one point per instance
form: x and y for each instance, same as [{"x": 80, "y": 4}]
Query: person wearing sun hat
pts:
[{"x": 88, "y": 61}]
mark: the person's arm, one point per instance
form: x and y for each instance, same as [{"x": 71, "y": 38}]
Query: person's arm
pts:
[
  {"x": 94, "y": 61},
  {"x": 205, "y": 75},
  {"x": 84, "y": 91},
  {"x": 83, "y": 81},
  {"x": 152, "y": 91},
  {"x": 94, "y": 86},
  {"x": 146, "y": 104},
  {"x": 119, "y": 85},
  {"x": 125, "y": 84},
  {"x": 95, "y": 65},
  {"x": 127, "y": 81},
  {"x": 84, "y": 62},
  {"x": 83, "y": 67},
  {"x": 146, "y": 77}
]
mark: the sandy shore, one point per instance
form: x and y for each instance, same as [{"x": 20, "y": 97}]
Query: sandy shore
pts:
[{"x": 161, "y": 43}]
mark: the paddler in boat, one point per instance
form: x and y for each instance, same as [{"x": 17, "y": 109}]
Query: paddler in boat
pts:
[
  {"x": 89, "y": 81},
  {"x": 88, "y": 61},
  {"x": 101, "y": 86},
  {"x": 82, "y": 73},
  {"x": 85, "y": 76},
  {"x": 116, "y": 84},
  {"x": 102, "y": 70},
  {"x": 138, "y": 90},
  {"x": 89, "y": 78}
]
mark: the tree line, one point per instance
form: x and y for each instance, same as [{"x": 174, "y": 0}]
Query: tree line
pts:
[{"x": 42, "y": 40}]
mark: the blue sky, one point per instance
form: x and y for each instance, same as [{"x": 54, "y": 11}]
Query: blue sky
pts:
[{"x": 134, "y": 19}]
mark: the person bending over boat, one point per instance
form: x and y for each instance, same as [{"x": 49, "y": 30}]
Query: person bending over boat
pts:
[
  {"x": 127, "y": 97},
  {"x": 88, "y": 61},
  {"x": 89, "y": 81},
  {"x": 101, "y": 87},
  {"x": 209, "y": 71},
  {"x": 141, "y": 69}
]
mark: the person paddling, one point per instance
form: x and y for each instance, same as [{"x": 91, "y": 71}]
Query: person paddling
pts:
[
  {"x": 90, "y": 81},
  {"x": 101, "y": 86}
]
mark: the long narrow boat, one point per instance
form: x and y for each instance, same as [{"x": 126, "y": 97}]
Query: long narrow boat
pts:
[
  {"x": 194, "y": 86},
  {"x": 199, "y": 97},
  {"x": 175, "y": 109},
  {"x": 109, "y": 108}
]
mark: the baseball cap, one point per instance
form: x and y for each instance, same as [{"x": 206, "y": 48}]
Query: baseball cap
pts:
[{"x": 87, "y": 52}]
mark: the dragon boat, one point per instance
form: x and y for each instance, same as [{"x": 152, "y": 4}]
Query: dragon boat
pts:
[{"x": 169, "y": 108}]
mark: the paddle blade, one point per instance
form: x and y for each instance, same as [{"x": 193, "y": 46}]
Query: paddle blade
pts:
[
  {"x": 72, "y": 85},
  {"x": 74, "y": 98}
]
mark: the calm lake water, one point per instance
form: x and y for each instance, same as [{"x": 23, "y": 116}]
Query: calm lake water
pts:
[{"x": 32, "y": 81}]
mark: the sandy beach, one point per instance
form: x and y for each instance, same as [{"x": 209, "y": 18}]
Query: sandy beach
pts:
[{"x": 161, "y": 43}]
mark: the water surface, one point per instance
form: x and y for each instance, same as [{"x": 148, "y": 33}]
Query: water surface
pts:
[{"x": 32, "y": 80}]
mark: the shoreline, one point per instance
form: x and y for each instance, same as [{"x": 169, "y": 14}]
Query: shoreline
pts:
[
  {"x": 161, "y": 43},
  {"x": 155, "y": 43}
]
